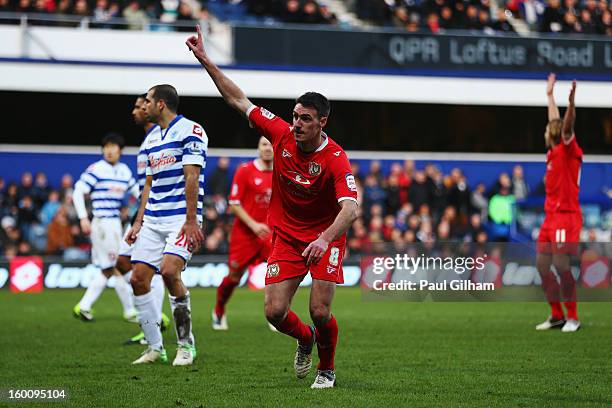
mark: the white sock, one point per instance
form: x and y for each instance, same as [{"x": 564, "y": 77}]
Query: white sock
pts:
[
  {"x": 181, "y": 311},
  {"x": 124, "y": 291},
  {"x": 158, "y": 290},
  {"x": 149, "y": 317},
  {"x": 93, "y": 292}
]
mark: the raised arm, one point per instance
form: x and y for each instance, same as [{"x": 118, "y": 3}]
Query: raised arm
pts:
[
  {"x": 553, "y": 110},
  {"x": 570, "y": 116},
  {"x": 231, "y": 93}
]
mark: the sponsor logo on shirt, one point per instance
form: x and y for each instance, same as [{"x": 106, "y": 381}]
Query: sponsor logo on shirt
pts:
[
  {"x": 337, "y": 154},
  {"x": 258, "y": 181},
  {"x": 314, "y": 169},
  {"x": 286, "y": 153},
  {"x": 273, "y": 271},
  {"x": 266, "y": 113},
  {"x": 164, "y": 160},
  {"x": 350, "y": 182},
  {"x": 197, "y": 130}
]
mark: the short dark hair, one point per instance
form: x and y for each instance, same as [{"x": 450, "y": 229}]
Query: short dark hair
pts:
[
  {"x": 316, "y": 101},
  {"x": 168, "y": 94},
  {"x": 142, "y": 96},
  {"x": 113, "y": 138}
]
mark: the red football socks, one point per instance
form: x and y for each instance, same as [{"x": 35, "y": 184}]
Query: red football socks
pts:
[
  {"x": 224, "y": 291},
  {"x": 327, "y": 337},
  {"x": 568, "y": 290},
  {"x": 551, "y": 289},
  {"x": 294, "y": 327}
]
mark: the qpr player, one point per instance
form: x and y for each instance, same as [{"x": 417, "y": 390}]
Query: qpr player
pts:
[
  {"x": 313, "y": 203},
  {"x": 106, "y": 181},
  {"x": 167, "y": 228}
]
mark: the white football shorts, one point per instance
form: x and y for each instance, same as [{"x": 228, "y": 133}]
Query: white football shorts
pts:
[
  {"x": 105, "y": 238},
  {"x": 126, "y": 249},
  {"x": 156, "y": 240}
]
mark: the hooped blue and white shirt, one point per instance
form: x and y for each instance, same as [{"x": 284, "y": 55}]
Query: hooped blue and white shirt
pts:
[
  {"x": 183, "y": 143},
  {"x": 107, "y": 185},
  {"x": 141, "y": 161}
]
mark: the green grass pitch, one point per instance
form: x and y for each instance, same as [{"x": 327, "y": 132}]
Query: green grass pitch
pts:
[{"x": 389, "y": 354}]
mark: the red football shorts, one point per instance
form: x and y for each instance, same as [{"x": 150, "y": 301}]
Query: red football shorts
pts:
[
  {"x": 560, "y": 233},
  {"x": 286, "y": 261},
  {"x": 245, "y": 251}
]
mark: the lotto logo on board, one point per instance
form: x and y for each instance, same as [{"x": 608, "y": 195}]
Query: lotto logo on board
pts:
[{"x": 26, "y": 274}]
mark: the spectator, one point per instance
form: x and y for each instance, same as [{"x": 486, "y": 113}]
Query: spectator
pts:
[
  {"x": 59, "y": 233},
  {"x": 373, "y": 193},
  {"x": 66, "y": 186},
  {"x": 587, "y": 23},
  {"x": 41, "y": 189},
  {"x": 185, "y": 16},
  {"x": 520, "y": 190},
  {"x": 311, "y": 13},
  {"x": 292, "y": 12},
  {"x": 219, "y": 180},
  {"x": 134, "y": 15},
  {"x": 552, "y": 20},
  {"x": 50, "y": 208},
  {"x": 25, "y": 186},
  {"x": 419, "y": 190},
  {"x": 81, "y": 8},
  {"x": 479, "y": 200},
  {"x": 501, "y": 207},
  {"x": 447, "y": 22}
]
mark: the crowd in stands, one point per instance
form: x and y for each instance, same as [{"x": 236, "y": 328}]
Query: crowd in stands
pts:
[
  {"x": 405, "y": 206},
  {"x": 429, "y": 16},
  {"x": 104, "y": 13},
  {"x": 435, "y": 16}
]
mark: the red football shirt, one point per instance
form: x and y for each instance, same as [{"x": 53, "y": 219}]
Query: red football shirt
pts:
[
  {"x": 251, "y": 188},
  {"x": 306, "y": 187},
  {"x": 563, "y": 177}
]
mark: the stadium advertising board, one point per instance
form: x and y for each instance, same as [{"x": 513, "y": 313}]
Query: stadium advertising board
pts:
[
  {"x": 456, "y": 269},
  {"x": 433, "y": 54}
]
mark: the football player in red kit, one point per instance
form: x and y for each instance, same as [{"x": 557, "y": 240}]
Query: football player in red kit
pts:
[
  {"x": 560, "y": 232},
  {"x": 250, "y": 241},
  {"x": 314, "y": 202}
]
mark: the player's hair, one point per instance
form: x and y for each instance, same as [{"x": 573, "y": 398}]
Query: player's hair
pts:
[
  {"x": 316, "y": 101},
  {"x": 142, "y": 96},
  {"x": 168, "y": 94},
  {"x": 554, "y": 129},
  {"x": 113, "y": 138}
]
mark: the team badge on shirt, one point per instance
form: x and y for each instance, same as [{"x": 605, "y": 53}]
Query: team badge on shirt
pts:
[
  {"x": 273, "y": 271},
  {"x": 314, "y": 169}
]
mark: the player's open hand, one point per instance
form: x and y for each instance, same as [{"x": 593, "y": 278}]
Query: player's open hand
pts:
[
  {"x": 194, "y": 237},
  {"x": 195, "y": 43},
  {"x": 572, "y": 94},
  {"x": 550, "y": 84},
  {"x": 261, "y": 230},
  {"x": 132, "y": 234},
  {"x": 315, "y": 250},
  {"x": 85, "y": 226}
]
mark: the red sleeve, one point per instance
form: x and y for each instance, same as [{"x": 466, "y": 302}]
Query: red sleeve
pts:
[
  {"x": 344, "y": 181},
  {"x": 238, "y": 185},
  {"x": 571, "y": 148},
  {"x": 267, "y": 124}
]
